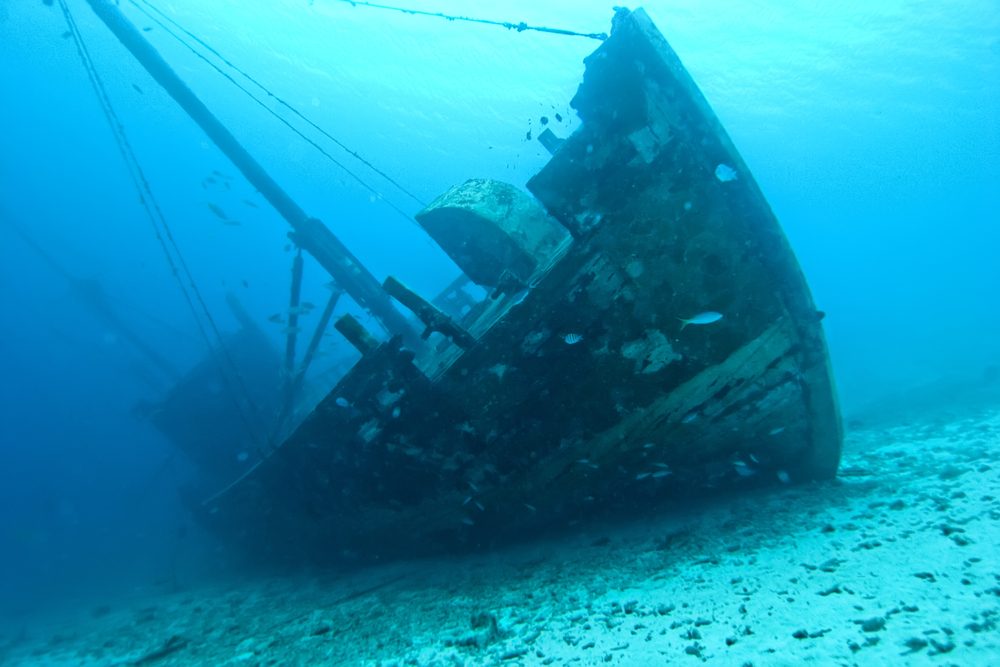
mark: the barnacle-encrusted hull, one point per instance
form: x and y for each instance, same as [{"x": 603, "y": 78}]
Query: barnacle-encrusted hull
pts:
[{"x": 577, "y": 387}]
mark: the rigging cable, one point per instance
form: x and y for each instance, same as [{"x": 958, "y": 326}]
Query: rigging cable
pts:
[
  {"x": 280, "y": 102},
  {"x": 161, "y": 228},
  {"x": 521, "y": 26}
]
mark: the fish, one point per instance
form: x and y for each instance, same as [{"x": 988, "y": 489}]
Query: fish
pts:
[
  {"x": 708, "y": 317},
  {"x": 218, "y": 212},
  {"x": 642, "y": 475},
  {"x": 725, "y": 173},
  {"x": 572, "y": 338},
  {"x": 250, "y": 203},
  {"x": 291, "y": 330},
  {"x": 661, "y": 474},
  {"x": 276, "y": 318},
  {"x": 342, "y": 402},
  {"x": 783, "y": 477},
  {"x": 138, "y": 89},
  {"x": 531, "y": 507}
]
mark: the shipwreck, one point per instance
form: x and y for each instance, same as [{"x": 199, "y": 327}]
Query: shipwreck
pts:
[{"x": 647, "y": 334}]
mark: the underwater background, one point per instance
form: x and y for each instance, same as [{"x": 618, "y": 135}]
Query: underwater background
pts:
[{"x": 873, "y": 130}]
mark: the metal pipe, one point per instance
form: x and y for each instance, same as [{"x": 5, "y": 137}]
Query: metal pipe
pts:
[
  {"x": 310, "y": 234},
  {"x": 293, "y": 316}
]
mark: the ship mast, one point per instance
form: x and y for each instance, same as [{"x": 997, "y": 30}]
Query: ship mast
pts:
[{"x": 309, "y": 233}]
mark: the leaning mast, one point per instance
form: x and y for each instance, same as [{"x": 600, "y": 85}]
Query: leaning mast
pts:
[{"x": 309, "y": 233}]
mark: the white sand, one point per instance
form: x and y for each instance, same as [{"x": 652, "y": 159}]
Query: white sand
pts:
[{"x": 896, "y": 563}]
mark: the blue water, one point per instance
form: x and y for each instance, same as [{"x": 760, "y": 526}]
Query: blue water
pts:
[{"x": 872, "y": 128}]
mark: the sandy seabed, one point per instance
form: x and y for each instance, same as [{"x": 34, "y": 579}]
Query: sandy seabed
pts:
[{"x": 894, "y": 563}]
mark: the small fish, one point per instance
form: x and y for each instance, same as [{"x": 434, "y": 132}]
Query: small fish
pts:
[
  {"x": 572, "y": 338},
  {"x": 298, "y": 310},
  {"x": 138, "y": 89},
  {"x": 531, "y": 507},
  {"x": 250, "y": 203},
  {"x": 342, "y": 402},
  {"x": 708, "y": 317},
  {"x": 242, "y": 457},
  {"x": 479, "y": 505},
  {"x": 218, "y": 212},
  {"x": 245, "y": 283},
  {"x": 742, "y": 469},
  {"x": 231, "y": 223},
  {"x": 784, "y": 477},
  {"x": 776, "y": 431},
  {"x": 467, "y": 500},
  {"x": 276, "y": 318},
  {"x": 643, "y": 475},
  {"x": 473, "y": 487},
  {"x": 67, "y": 35},
  {"x": 689, "y": 418},
  {"x": 661, "y": 474},
  {"x": 308, "y": 305},
  {"x": 468, "y": 522},
  {"x": 725, "y": 173}
]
